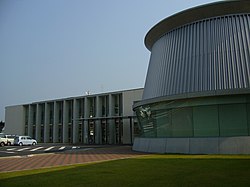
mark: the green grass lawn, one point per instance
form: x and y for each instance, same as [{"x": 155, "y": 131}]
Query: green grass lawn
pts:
[{"x": 153, "y": 170}]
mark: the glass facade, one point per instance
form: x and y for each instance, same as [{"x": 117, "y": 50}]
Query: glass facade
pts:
[{"x": 217, "y": 116}]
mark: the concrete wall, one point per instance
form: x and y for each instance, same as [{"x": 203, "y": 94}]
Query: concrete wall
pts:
[
  {"x": 14, "y": 120},
  {"x": 128, "y": 100},
  {"x": 213, "y": 145}
]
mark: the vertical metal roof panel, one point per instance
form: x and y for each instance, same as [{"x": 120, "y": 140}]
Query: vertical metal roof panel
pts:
[{"x": 207, "y": 55}]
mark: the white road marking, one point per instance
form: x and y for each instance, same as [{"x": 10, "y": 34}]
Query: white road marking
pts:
[
  {"x": 61, "y": 148},
  {"x": 36, "y": 149},
  {"x": 7, "y": 152},
  {"x": 49, "y": 148},
  {"x": 23, "y": 149},
  {"x": 74, "y": 147},
  {"x": 10, "y": 152},
  {"x": 12, "y": 149}
]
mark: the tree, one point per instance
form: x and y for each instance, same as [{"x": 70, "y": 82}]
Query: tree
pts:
[{"x": 1, "y": 125}]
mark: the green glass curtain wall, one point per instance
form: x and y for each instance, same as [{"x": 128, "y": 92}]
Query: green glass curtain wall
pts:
[{"x": 198, "y": 117}]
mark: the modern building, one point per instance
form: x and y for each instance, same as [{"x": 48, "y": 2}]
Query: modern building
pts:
[
  {"x": 196, "y": 98},
  {"x": 105, "y": 118}
]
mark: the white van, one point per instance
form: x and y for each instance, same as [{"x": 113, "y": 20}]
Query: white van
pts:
[
  {"x": 24, "y": 140},
  {"x": 10, "y": 139},
  {"x": 3, "y": 139}
]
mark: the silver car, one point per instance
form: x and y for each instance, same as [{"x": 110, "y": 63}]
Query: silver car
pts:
[{"x": 24, "y": 140}]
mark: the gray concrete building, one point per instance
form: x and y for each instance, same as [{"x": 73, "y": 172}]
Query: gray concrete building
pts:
[
  {"x": 196, "y": 98},
  {"x": 105, "y": 118}
]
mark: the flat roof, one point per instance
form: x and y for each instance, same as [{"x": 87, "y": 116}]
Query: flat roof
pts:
[
  {"x": 194, "y": 14},
  {"x": 79, "y": 97}
]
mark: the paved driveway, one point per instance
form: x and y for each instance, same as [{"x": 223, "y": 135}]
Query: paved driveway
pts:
[{"x": 66, "y": 158}]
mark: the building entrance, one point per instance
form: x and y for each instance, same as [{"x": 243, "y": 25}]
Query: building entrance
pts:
[
  {"x": 118, "y": 131},
  {"x": 91, "y": 131},
  {"x": 107, "y": 130},
  {"x": 104, "y": 132}
]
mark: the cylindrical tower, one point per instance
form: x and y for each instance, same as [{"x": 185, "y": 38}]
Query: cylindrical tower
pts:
[{"x": 197, "y": 89}]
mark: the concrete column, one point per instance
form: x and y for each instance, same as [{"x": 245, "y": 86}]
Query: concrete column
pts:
[
  {"x": 38, "y": 123},
  {"x": 111, "y": 126},
  {"x": 55, "y": 122},
  {"x": 46, "y": 123},
  {"x": 82, "y": 122},
  {"x": 98, "y": 122},
  {"x": 75, "y": 121},
  {"x": 30, "y": 121},
  {"x": 132, "y": 130},
  {"x": 85, "y": 125},
  {"x": 127, "y": 131},
  {"x": 65, "y": 121}
]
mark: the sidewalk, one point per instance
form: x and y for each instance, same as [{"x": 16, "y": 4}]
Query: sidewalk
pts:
[{"x": 67, "y": 158}]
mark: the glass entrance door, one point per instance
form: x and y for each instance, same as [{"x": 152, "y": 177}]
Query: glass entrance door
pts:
[
  {"x": 105, "y": 131},
  {"x": 118, "y": 131},
  {"x": 91, "y": 131}
]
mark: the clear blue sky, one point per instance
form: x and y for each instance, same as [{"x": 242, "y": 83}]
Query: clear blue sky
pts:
[{"x": 53, "y": 49}]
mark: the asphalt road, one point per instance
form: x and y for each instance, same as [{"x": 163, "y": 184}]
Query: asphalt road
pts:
[{"x": 8, "y": 151}]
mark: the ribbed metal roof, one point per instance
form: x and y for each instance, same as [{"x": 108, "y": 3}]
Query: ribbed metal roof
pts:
[
  {"x": 194, "y": 14},
  {"x": 203, "y": 56}
]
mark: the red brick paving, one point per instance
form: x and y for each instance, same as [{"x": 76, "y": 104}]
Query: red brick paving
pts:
[{"x": 66, "y": 158}]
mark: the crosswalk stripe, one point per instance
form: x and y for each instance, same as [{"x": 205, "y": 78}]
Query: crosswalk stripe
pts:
[
  {"x": 10, "y": 152},
  {"x": 7, "y": 152},
  {"x": 61, "y": 148},
  {"x": 12, "y": 149},
  {"x": 36, "y": 149},
  {"x": 32, "y": 149},
  {"x": 23, "y": 149},
  {"x": 48, "y": 148}
]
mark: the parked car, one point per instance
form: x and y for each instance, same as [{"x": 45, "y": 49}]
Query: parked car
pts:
[
  {"x": 10, "y": 139},
  {"x": 24, "y": 140},
  {"x": 3, "y": 139}
]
